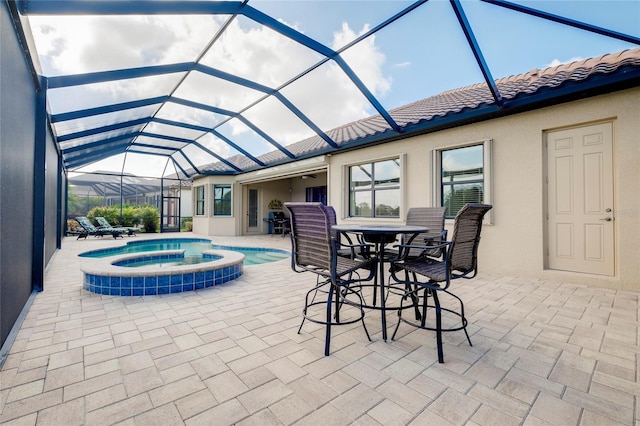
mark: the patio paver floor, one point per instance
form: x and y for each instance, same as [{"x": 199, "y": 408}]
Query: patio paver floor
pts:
[{"x": 544, "y": 353}]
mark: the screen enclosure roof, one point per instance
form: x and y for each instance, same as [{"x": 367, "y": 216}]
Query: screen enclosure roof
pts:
[{"x": 184, "y": 88}]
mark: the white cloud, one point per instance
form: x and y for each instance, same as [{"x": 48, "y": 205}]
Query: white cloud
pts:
[
  {"x": 138, "y": 164},
  {"x": 71, "y": 45},
  {"x": 556, "y": 62},
  {"x": 365, "y": 58},
  {"x": 405, "y": 64},
  {"x": 80, "y": 44},
  {"x": 260, "y": 54}
]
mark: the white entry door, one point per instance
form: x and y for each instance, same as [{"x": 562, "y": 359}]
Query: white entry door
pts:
[{"x": 580, "y": 199}]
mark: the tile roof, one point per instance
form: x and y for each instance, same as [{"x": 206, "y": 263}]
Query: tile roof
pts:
[{"x": 453, "y": 104}]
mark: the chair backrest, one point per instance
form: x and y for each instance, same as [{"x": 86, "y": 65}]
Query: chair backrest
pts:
[
  {"x": 103, "y": 222},
  {"x": 333, "y": 218},
  {"x": 310, "y": 235},
  {"x": 466, "y": 238},
  {"x": 433, "y": 219},
  {"x": 86, "y": 223}
]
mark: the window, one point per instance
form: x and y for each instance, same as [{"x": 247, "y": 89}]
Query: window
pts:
[
  {"x": 222, "y": 200},
  {"x": 462, "y": 176},
  {"x": 200, "y": 201},
  {"x": 316, "y": 194},
  {"x": 374, "y": 189}
]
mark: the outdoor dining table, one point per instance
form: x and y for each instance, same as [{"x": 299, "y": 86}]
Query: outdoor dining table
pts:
[{"x": 380, "y": 236}]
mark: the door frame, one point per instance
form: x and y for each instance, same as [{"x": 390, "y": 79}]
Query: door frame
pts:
[
  {"x": 546, "y": 194},
  {"x": 246, "y": 228}
]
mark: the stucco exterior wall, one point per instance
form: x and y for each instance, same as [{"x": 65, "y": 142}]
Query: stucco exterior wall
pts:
[
  {"x": 514, "y": 243},
  {"x": 208, "y": 224},
  {"x": 282, "y": 188}
]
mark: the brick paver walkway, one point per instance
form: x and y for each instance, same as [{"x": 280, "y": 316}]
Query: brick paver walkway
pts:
[{"x": 544, "y": 353}]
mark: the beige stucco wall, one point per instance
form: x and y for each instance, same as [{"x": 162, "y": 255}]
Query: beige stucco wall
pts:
[
  {"x": 514, "y": 243},
  {"x": 284, "y": 189},
  {"x": 207, "y": 224}
]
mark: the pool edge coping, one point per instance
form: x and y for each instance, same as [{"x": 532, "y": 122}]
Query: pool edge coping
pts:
[{"x": 104, "y": 266}]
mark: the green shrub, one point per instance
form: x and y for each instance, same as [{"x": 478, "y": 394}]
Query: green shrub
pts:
[
  {"x": 130, "y": 216},
  {"x": 150, "y": 218},
  {"x": 187, "y": 224},
  {"x": 111, "y": 213}
]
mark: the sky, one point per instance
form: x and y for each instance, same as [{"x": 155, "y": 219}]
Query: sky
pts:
[{"x": 421, "y": 54}]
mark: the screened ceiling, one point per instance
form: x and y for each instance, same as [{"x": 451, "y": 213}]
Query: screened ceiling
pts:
[{"x": 159, "y": 88}]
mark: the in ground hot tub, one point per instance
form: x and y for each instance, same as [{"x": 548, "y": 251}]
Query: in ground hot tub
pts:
[{"x": 114, "y": 275}]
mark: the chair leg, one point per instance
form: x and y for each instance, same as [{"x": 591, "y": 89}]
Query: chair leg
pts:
[
  {"x": 327, "y": 340},
  {"x": 463, "y": 319},
  {"x": 358, "y": 293},
  {"x": 307, "y": 303},
  {"x": 375, "y": 289},
  {"x": 336, "y": 297},
  {"x": 415, "y": 297},
  {"x": 336, "y": 315},
  {"x": 304, "y": 311},
  {"x": 410, "y": 294},
  {"x": 436, "y": 302},
  {"x": 393, "y": 336}
]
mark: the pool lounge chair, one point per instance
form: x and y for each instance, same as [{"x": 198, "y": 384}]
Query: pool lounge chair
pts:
[
  {"x": 86, "y": 224},
  {"x": 104, "y": 224}
]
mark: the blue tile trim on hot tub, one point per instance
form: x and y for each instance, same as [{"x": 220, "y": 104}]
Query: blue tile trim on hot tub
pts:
[
  {"x": 161, "y": 281},
  {"x": 159, "y": 284}
]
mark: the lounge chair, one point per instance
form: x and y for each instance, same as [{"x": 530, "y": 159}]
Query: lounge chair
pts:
[
  {"x": 86, "y": 224},
  {"x": 104, "y": 224}
]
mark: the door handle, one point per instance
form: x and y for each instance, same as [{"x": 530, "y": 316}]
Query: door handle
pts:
[{"x": 607, "y": 219}]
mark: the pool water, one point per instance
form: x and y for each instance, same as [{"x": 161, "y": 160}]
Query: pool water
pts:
[
  {"x": 163, "y": 263},
  {"x": 193, "y": 248}
]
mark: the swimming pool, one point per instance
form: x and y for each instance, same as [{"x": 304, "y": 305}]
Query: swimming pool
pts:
[
  {"x": 193, "y": 249},
  {"x": 161, "y": 268}
]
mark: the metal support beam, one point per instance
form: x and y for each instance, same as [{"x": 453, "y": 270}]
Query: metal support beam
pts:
[
  {"x": 565, "y": 21},
  {"x": 118, "y": 7},
  {"x": 477, "y": 52},
  {"x": 39, "y": 192},
  {"x": 61, "y": 202},
  {"x": 213, "y": 154},
  {"x": 90, "y": 112}
]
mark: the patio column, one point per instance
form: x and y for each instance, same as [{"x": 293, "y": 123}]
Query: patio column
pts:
[{"x": 39, "y": 185}]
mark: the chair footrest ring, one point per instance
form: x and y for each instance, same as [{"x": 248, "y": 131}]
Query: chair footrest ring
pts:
[{"x": 463, "y": 320}]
